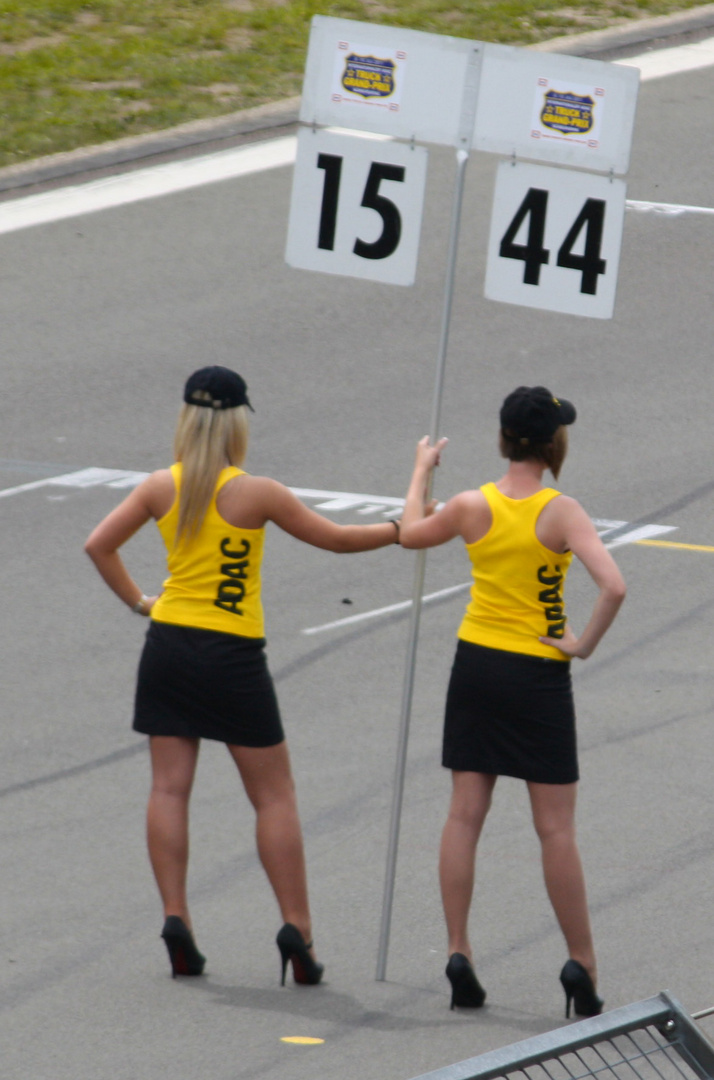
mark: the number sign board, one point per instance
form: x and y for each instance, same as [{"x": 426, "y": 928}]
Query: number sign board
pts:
[
  {"x": 555, "y": 240},
  {"x": 356, "y": 207},
  {"x": 357, "y": 203},
  {"x": 390, "y": 81},
  {"x": 559, "y": 109}
]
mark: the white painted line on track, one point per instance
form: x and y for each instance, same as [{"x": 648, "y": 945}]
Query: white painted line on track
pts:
[
  {"x": 667, "y": 209},
  {"x": 659, "y": 63},
  {"x": 631, "y": 536},
  {"x": 640, "y": 532},
  {"x": 627, "y": 535},
  {"x": 387, "y": 506},
  {"x": 157, "y": 180},
  {"x": 149, "y": 183},
  {"x": 403, "y": 605},
  {"x": 32, "y": 486},
  {"x": 82, "y": 478}
]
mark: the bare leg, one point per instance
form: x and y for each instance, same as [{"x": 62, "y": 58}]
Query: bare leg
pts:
[
  {"x": 470, "y": 803},
  {"x": 268, "y": 781},
  {"x": 553, "y": 808},
  {"x": 173, "y": 764}
]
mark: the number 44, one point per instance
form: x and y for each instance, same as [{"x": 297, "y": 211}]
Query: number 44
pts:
[{"x": 534, "y": 254}]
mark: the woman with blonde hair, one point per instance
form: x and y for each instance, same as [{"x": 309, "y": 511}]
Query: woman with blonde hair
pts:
[
  {"x": 203, "y": 672},
  {"x": 509, "y": 708}
]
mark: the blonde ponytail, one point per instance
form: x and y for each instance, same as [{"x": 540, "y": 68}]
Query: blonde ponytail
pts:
[{"x": 206, "y": 440}]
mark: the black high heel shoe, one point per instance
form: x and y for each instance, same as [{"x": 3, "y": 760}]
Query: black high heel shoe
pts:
[
  {"x": 293, "y": 946},
  {"x": 579, "y": 990},
  {"x": 466, "y": 990},
  {"x": 183, "y": 954}
]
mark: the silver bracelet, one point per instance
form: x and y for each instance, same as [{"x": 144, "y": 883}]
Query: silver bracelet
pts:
[{"x": 138, "y": 607}]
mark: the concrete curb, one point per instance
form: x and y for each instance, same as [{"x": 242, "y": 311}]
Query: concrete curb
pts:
[
  {"x": 124, "y": 151},
  {"x": 618, "y": 41},
  {"x": 630, "y": 37}
]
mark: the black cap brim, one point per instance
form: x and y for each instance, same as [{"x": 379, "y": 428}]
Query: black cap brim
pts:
[{"x": 567, "y": 414}]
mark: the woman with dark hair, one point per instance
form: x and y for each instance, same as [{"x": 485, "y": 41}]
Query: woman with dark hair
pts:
[
  {"x": 509, "y": 707},
  {"x": 203, "y": 673}
]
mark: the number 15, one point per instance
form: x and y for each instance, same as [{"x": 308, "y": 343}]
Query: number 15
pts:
[{"x": 356, "y": 206}]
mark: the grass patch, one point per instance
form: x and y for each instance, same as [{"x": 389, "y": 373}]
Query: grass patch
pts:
[{"x": 74, "y": 73}]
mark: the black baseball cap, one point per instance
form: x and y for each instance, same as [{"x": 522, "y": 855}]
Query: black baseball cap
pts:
[
  {"x": 226, "y": 388},
  {"x": 533, "y": 414}
]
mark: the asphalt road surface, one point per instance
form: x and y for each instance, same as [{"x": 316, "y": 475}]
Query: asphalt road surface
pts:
[{"x": 102, "y": 317}]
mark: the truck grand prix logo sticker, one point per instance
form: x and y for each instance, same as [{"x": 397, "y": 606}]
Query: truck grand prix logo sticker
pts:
[
  {"x": 369, "y": 76},
  {"x": 569, "y": 114}
]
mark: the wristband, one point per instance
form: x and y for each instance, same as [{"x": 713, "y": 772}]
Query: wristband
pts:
[
  {"x": 395, "y": 523},
  {"x": 138, "y": 607}
]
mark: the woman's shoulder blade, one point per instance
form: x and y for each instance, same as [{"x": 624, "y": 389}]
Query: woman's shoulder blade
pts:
[
  {"x": 476, "y": 516},
  {"x": 472, "y": 497},
  {"x": 246, "y": 501},
  {"x": 563, "y": 505}
]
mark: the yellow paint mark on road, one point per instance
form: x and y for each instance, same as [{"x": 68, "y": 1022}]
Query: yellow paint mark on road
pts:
[
  {"x": 674, "y": 544},
  {"x": 301, "y": 1040}
]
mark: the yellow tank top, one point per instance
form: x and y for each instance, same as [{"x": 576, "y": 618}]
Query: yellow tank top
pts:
[
  {"x": 517, "y": 594},
  {"x": 214, "y": 579}
]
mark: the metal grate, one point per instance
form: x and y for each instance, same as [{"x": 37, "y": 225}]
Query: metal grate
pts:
[{"x": 649, "y": 1040}]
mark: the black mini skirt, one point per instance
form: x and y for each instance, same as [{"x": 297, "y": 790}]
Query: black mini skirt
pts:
[
  {"x": 201, "y": 684},
  {"x": 510, "y": 715}
]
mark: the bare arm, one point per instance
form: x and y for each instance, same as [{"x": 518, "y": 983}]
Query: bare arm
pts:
[
  {"x": 582, "y": 539},
  {"x": 117, "y": 527},
  {"x": 280, "y": 505}
]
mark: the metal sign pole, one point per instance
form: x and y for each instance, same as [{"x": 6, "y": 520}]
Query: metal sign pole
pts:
[{"x": 462, "y": 158}]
